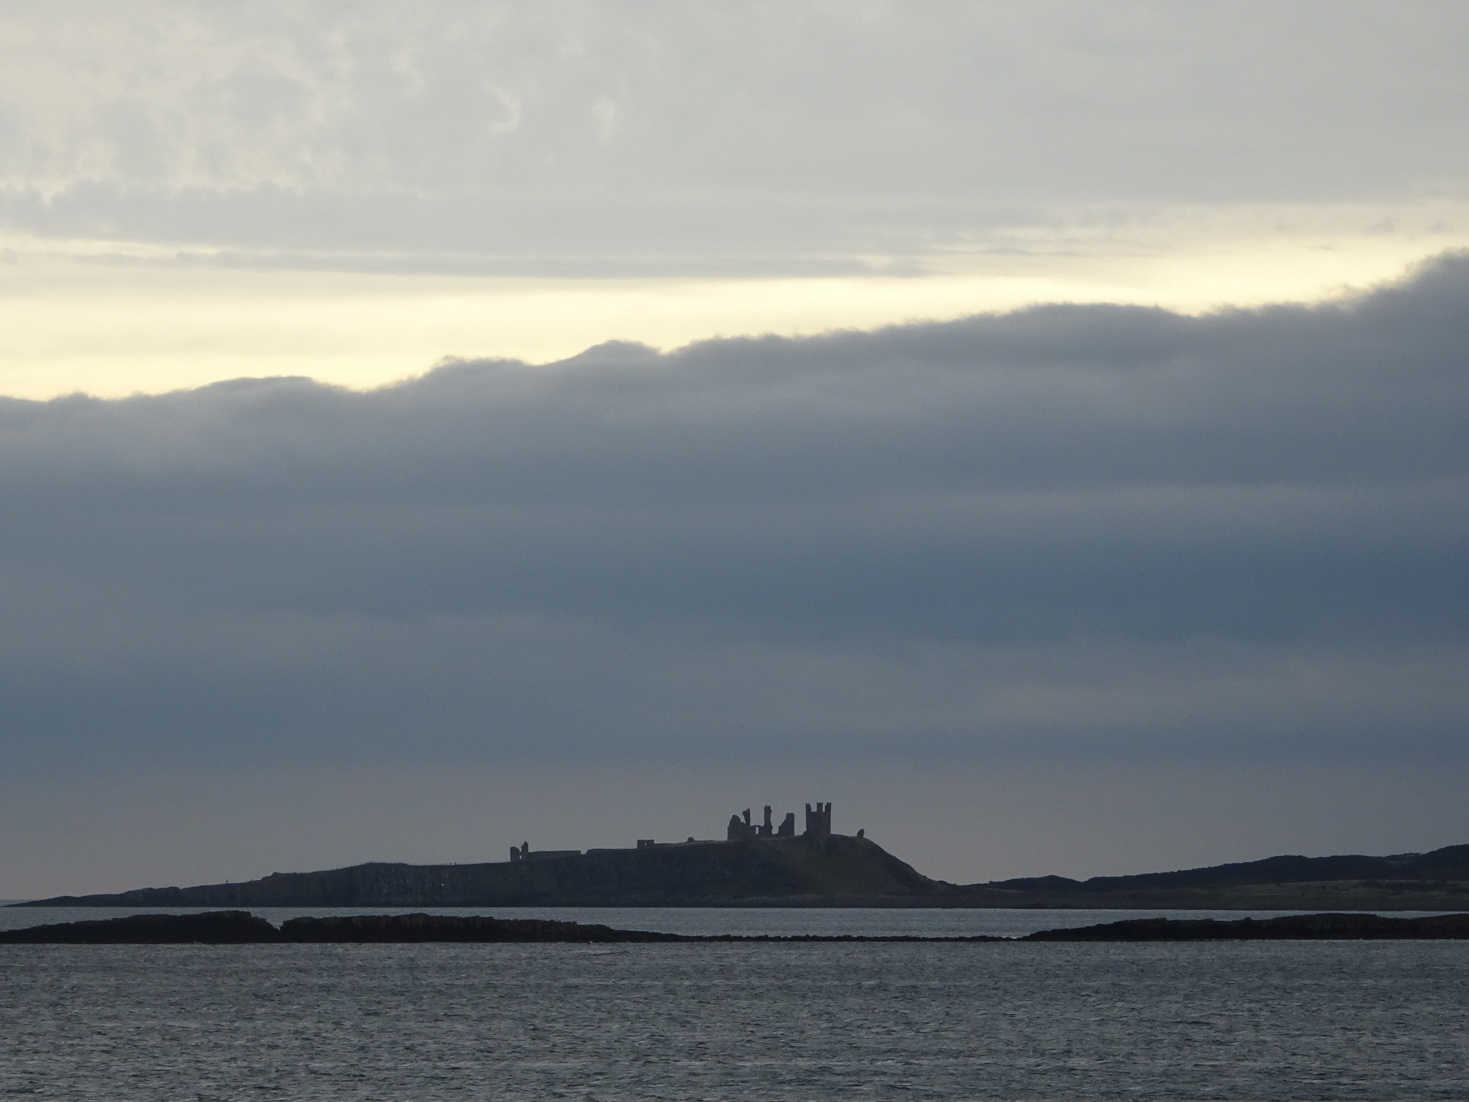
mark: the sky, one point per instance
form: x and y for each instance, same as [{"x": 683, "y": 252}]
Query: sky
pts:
[{"x": 1034, "y": 429}]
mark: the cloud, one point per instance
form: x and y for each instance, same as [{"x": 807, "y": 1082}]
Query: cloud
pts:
[
  {"x": 1049, "y": 531},
  {"x": 633, "y": 129}
]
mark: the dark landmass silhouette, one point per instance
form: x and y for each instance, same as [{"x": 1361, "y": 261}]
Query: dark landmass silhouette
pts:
[
  {"x": 241, "y": 927},
  {"x": 1312, "y": 927},
  {"x": 1433, "y": 881},
  {"x": 210, "y": 928},
  {"x": 833, "y": 870},
  {"x": 775, "y": 871}
]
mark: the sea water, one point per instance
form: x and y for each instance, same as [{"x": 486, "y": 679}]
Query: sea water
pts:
[{"x": 1237, "y": 1020}]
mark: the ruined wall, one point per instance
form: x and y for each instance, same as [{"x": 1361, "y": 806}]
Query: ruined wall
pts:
[{"x": 739, "y": 830}]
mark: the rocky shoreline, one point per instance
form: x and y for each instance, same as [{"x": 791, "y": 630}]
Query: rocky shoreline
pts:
[
  {"x": 1309, "y": 927},
  {"x": 242, "y": 927}
]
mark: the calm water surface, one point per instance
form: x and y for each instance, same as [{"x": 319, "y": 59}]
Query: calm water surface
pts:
[{"x": 784, "y": 1021}]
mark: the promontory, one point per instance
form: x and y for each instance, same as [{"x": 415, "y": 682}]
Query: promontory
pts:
[{"x": 768, "y": 864}]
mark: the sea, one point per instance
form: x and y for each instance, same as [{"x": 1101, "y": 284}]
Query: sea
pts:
[{"x": 741, "y": 1020}]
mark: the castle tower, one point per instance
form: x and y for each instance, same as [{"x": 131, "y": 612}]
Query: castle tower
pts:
[{"x": 818, "y": 821}]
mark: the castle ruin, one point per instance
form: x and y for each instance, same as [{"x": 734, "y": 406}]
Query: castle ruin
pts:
[{"x": 741, "y": 828}]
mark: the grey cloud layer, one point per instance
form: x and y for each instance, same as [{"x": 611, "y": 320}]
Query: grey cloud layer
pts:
[
  {"x": 839, "y": 100},
  {"x": 1069, "y": 526},
  {"x": 805, "y": 130}
]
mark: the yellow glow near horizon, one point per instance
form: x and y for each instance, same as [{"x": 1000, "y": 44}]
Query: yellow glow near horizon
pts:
[{"x": 75, "y": 326}]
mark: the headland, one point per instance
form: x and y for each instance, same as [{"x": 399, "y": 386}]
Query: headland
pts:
[{"x": 772, "y": 865}]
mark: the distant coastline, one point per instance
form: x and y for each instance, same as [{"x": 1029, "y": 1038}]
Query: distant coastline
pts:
[{"x": 762, "y": 865}]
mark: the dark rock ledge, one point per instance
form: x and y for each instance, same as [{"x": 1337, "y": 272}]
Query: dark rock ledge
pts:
[
  {"x": 425, "y": 927},
  {"x": 242, "y": 927},
  {"x": 1313, "y": 927},
  {"x": 209, "y": 928}
]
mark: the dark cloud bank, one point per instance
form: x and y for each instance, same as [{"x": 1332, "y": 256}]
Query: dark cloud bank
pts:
[{"x": 1105, "y": 536}]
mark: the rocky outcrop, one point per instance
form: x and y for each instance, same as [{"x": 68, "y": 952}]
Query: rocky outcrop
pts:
[
  {"x": 240, "y": 927},
  {"x": 1315, "y": 927},
  {"x": 210, "y": 928},
  {"x": 424, "y": 927}
]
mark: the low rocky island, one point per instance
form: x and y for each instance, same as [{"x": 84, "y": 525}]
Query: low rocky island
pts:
[
  {"x": 765, "y": 864},
  {"x": 241, "y": 927},
  {"x": 1311, "y": 927}
]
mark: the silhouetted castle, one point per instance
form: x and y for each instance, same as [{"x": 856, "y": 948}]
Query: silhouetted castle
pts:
[
  {"x": 818, "y": 825},
  {"x": 741, "y": 828}
]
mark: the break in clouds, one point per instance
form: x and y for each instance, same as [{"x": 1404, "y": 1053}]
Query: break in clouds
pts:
[{"x": 1087, "y": 531}]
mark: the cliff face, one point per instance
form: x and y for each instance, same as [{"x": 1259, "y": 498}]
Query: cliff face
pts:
[{"x": 792, "y": 870}]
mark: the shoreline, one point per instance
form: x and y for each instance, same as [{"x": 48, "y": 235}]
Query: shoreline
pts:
[{"x": 236, "y": 927}]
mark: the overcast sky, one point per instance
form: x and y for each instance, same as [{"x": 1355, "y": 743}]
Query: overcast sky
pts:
[
  {"x": 353, "y": 190},
  {"x": 1036, "y": 430}
]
